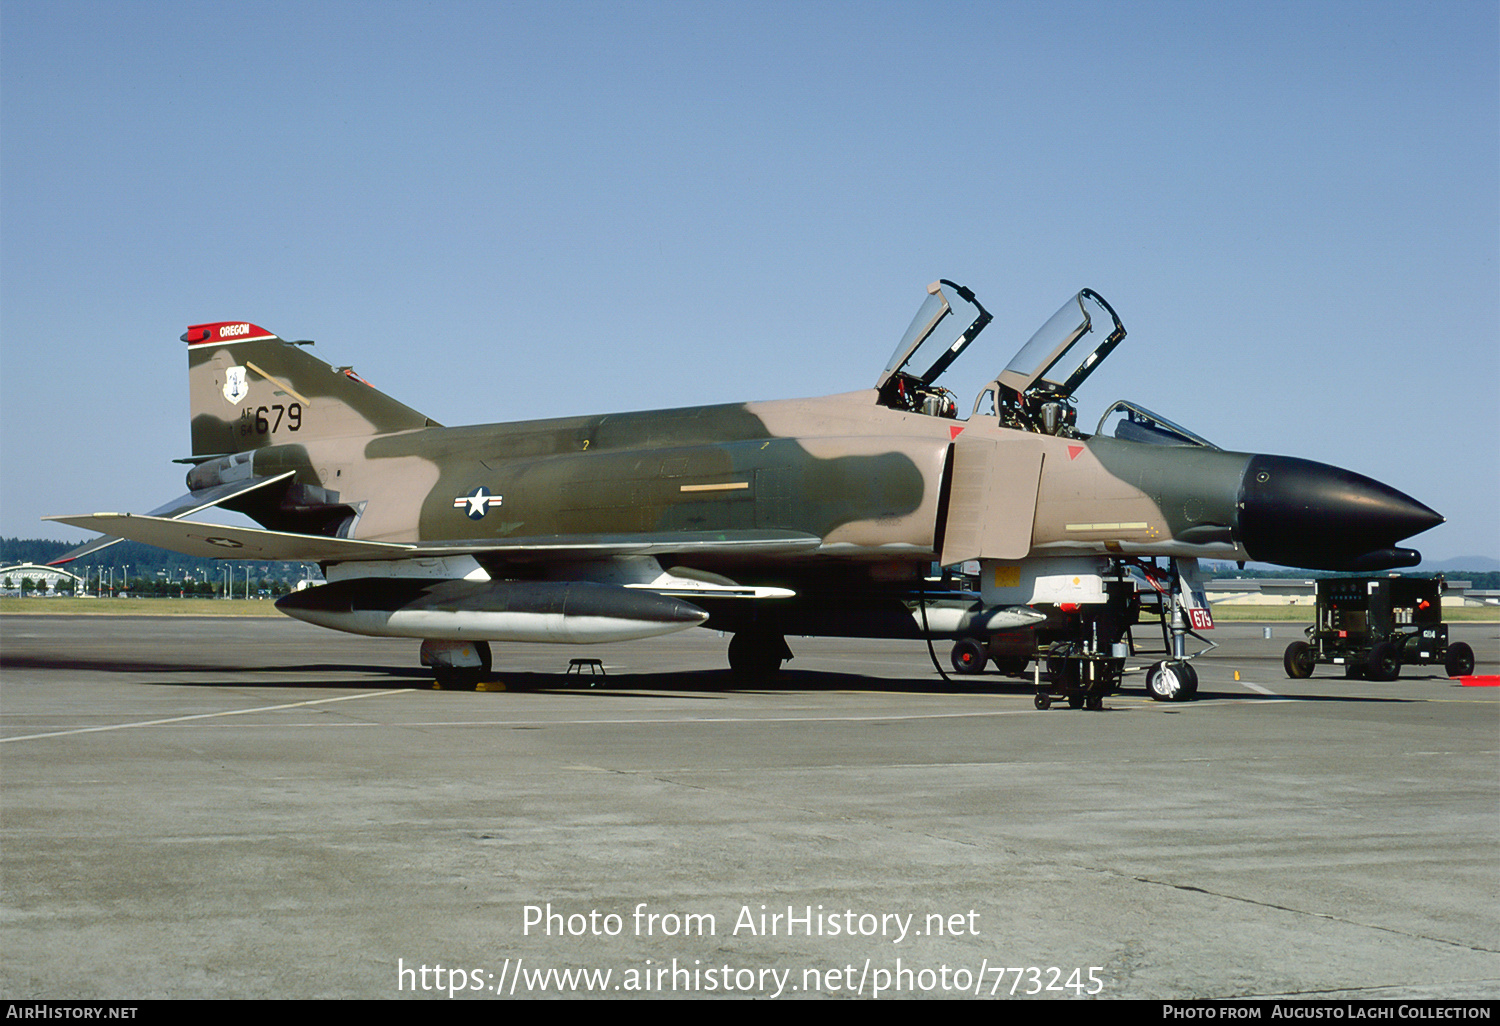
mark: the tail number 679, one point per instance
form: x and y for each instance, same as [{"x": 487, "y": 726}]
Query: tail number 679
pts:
[{"x": 265, "y": 424}]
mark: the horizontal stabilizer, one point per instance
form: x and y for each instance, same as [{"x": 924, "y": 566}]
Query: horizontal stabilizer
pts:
[
  {"x": 183, "y": 506},
  {"x": 216, "y": 541}
]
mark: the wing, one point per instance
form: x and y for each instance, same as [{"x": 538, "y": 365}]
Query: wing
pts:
[
  {"x": 588, "y": 546},
  {"x": 217, "y": 541}
]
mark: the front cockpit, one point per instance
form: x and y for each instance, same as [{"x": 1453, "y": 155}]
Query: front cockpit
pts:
[
  {"x": 948, "y": 320},
  {"x": 1035, "y": 391}
]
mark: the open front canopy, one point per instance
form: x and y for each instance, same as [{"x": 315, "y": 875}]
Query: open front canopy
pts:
[{"x": 946, "y": 323}]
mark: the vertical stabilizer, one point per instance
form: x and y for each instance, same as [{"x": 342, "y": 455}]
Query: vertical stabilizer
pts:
[{"x": 250, "y": 389}]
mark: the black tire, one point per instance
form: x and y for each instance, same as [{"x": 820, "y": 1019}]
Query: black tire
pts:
[
  {"x": 454, "y": 678},
  {"x": 1042, "y": 701},
  {"x": 1190, "y": 691},
  {"x": 1011, "y": 666},
  {"x": 757, "y": 654},
  {"x": 1075, "y": 701},
  {"x": 1094, "y": 703},
  {"x": 1384, "y": 663},
  {"x": 1460, "y": 660},
  {"x": 968, "y": 656},
  {"x": 1172, "y": 682},
  {"x": 1299, "y": 660},
  {"x": 1353, "y": 671},
  {"x": 465, "y": 678}
]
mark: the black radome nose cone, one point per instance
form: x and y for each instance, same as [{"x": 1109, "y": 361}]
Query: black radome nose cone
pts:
[{"x": 1305, "y": 514}]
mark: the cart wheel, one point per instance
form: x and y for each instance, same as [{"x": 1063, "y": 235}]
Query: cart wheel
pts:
[
  {"x": 1384, "y": 663},
  {"x": 1354, "y": 671},
  {"x": 1460, "y": 662},
  {"x": 1075, "y": 701},
  {"x": 1172, "y": 682},
  {"x": 1299, "y": 660},
  {"x": 1094, "y": 703},
  {"x": 968, "y": 656},
  {"x": 1043, "y": 701}
]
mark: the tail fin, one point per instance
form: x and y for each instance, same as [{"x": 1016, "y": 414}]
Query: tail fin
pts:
[{"x": 250, "y": 389}]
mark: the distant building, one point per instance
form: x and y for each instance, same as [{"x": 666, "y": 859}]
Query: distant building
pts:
[
  {"x": 11, "y": 578},
  {"x": 1282, "y": 591}
]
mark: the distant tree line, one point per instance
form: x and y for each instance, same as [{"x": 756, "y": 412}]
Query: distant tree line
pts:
[{"x": 1479, "y": 580}]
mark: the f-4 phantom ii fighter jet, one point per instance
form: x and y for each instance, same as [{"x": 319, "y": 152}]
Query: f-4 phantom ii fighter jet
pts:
[{"x": 764, "y": 519}]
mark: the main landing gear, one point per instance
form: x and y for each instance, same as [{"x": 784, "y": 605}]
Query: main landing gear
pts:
[
  {"x": 756, "y": 654},
  {"x": 457, "y": 665},
  {"x": 968, "y": 656}
]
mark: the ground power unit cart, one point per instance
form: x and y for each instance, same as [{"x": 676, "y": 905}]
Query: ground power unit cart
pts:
[{"x": 1373, "y": 626}]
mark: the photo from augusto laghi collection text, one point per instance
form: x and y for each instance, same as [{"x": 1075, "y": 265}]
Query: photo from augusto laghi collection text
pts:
[{"x": 682, "y": 971}]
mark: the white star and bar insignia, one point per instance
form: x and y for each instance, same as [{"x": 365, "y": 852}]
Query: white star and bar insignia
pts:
[{"x": 476, "y": 502}]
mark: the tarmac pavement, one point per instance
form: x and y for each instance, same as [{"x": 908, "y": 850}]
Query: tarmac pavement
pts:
[{"x": 240, "y": 807}]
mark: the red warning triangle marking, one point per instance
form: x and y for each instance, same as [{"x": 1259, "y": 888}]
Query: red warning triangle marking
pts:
[
  {"x": 954, "y": 430},
  {"x": 1074, "y": 451}
]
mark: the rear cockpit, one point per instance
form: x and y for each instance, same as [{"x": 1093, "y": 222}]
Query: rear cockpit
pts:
[{"x": 1035, "y": 391}]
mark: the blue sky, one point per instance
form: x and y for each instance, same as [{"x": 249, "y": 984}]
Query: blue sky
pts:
[{"x": 508, "y": 211}]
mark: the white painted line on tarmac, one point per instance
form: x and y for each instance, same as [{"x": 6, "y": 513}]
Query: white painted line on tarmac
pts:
[
  {"x": 204, "y": 716},
  {"x": 611, "y": 722}
]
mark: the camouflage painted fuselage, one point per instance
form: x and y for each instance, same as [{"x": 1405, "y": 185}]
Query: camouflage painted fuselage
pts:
[
  {"x": 807, "y": 516},
  {"x": 880, "y": 492}
]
